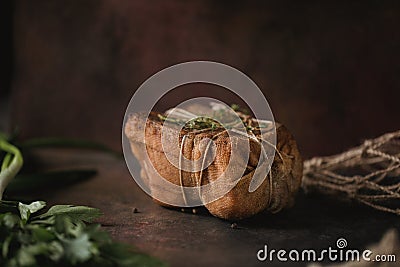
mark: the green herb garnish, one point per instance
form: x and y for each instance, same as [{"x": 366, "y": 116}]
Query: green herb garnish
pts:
[
  {"x": 219, "y": 119},
  {"x": 61, "y": 236}
]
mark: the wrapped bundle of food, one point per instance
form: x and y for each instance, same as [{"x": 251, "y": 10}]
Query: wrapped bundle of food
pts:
[{"x": 152, "y": 142}]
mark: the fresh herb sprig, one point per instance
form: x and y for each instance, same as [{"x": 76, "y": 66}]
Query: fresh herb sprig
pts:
[
  {"x": 60, "y": 236},
  {"x": 64, "y": 235},
  {"x": 198, "y": 123},
  {"x": 213, "y": 122}
]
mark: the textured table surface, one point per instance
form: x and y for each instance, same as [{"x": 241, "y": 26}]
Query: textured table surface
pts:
[{"x": 183, "y": 239}]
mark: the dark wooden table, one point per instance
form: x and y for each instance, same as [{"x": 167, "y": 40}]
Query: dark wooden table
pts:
[{"x": 185, "y": 239}]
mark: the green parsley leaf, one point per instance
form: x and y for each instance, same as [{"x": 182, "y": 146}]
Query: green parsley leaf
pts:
[
  {"x": 78, "y": 249},
  {"x": 27, "y": 210},
  {"x": 76, "y": 213},
  {"x": 6, "y": 245},
  {"x": 10, "y": 220}
]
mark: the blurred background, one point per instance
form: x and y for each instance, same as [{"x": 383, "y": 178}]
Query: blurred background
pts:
[{"x": 329, "y": 69}]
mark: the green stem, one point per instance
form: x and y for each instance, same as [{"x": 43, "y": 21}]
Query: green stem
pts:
[
  {"x": 10, "y": 168},
  {"x": 6, "y": 161}
]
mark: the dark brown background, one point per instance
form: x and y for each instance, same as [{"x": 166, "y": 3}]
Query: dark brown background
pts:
[{"x": 329, "y": 70}]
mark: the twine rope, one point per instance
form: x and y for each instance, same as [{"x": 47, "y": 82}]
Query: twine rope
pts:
[{"x": 377, "y": 182}]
